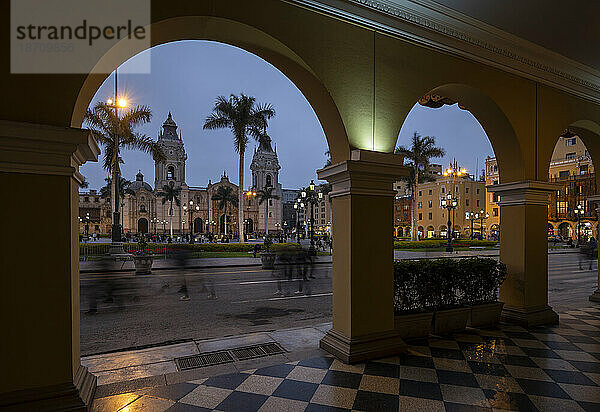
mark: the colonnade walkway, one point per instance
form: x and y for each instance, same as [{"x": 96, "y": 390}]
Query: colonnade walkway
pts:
[{"x": 507, "y": 368}]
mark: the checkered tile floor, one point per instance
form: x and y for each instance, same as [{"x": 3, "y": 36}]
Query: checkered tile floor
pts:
[{"x": 510, "y": 368}]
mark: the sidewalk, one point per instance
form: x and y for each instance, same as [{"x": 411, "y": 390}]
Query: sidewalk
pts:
[
  {"x": 91, "y": 266},
  {"x": 156, "y": 365}
]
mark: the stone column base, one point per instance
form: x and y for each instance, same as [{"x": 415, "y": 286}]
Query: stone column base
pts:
[
  {"x": 74, "y": 397},
  {"x": 353, "y": 350},
  {"x": 595, "y": 297},
  {"x": 528, "y": 317}
]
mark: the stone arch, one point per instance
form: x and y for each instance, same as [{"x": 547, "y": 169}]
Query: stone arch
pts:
[
  {"x": 407, "y": 231},
  {"x": 236, "y": 34},
  {"x": 565, "y": 230},
  {"x": 497, "y": 126},
  {"x": 430, "y": 231}
]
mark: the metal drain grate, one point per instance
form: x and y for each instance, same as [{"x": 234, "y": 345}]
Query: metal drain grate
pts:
[
  {"x": 204, "y": 359},
  {"x": 257, "y": 351},
  {"x": 227, "y": 356}
]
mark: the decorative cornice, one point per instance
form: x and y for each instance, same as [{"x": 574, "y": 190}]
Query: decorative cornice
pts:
[
  {"x": 366, "y": 173},
  {"x": 527, "y": 192},
  {"x": 440, "y": 27},
  {"x": 42, "y": 149}
]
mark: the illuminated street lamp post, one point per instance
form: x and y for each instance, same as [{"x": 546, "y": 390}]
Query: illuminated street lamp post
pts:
[
  {"x": 116, "y": 104},
  {"x": 449, "y": 203},
  {"x": 481, "y": 216},
  {"x": 87, "y": 224},
  {"x": 296, "y": 208},
  {"x": 312, "y": 197},
  {"x": 191, "y": 212},
  {"x": 164, "y": 223},
  {"x": 249, "y": 194},
  {"x": 470, "y": 216},
  {"x": 579, "y": 211}
]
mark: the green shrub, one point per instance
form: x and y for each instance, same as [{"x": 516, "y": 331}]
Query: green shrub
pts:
[
  {"x": 432, "y": 284},
  {"x": 437, "y": 243}
]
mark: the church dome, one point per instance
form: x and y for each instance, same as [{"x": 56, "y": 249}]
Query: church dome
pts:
[{"x": 139, "y": 183}]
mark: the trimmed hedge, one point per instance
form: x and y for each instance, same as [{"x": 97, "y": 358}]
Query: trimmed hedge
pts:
[
  {"x": 96, "y": 249},
  {"x": 437, "y": 243},
  {"x": 432, "y": 284}
]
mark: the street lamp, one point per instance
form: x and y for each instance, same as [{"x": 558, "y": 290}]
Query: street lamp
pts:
[
  {"x": 470, "y": 216},
  {"x": 164, "y": 223},
  {"x": 449, "y": 203},
  {"x": 87, "y": 224},
  {"x": 312, "y": 198},
  {"x": 116, "y": 104},
  {"x": 191, "y": 211},
  {"x": 296, "y": 207},
  {"x": 579, "y": 211},
  {"x": 481, "y": 216}
]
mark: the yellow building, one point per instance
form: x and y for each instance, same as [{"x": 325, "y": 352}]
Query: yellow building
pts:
[
  {"x": 432, "y": 218},
  {"x": 571, "y": 166}
]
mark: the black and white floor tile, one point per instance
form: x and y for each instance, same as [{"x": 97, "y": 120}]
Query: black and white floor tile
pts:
[{"x": 504, "y": 369}]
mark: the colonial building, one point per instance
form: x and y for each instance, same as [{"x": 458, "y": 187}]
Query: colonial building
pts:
[
  {"x": 432, "y": 218},
  {"x": 145, "y": 211},
  {"x": 570, "y": 166}
]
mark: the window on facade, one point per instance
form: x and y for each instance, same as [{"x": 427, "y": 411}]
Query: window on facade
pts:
[
  {"x": 96, "y": 227},
  {"x": 456, "y": 188},
  {"x": 142, "y": 208},
  {"x": 270, "y": 214},
  {"x": 322, "y": 215},
  {"x": 96, "y": 200},
  {"x": 171, "y": 172},
  {"x": 269, "y": 180},
  {"x": 466, "y": 190},
  {"x": 563, "y": 174},
  {"x": 420, "y": 216},
  {"x": 420, "y": 205},
  {"x": 443, "y": 190},
  {"x": 86, "y": 199},
  {"x": 495, "y": 182},
  {"x": 420, "y": 193},
  {"x": 270, "y": 202},
  {"x": 478, "y": 203},
  {"x": 477, "y": 191},
  {"x": 583, "y": 169},
  {"x": 430, "y": 203},
  {"x": 495, "y": 198},
  {"x": 495, "y": 168},
  {"x": 495, "y": 212},
  {"x": 466, "y": 202},
  {"x": 570, "y": 156},
  {"x": 405, "y": 207},
  {"x": 561, "y": 207},
  {"x": 430, "y": 192},
  {"x": 430, "y": 216},
  {"x": 571, "y": 141}
]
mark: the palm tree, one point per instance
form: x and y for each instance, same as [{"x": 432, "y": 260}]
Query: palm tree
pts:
[
  {"x": 115, "y": 133},
  {"x": 225, "y": 196},
  {"x": 265, "y": 195},
  {"x": 170, "y": 193},
  {"x": 106, "y": 190},
  {"x": 421, "y": 150},
  {"x": 244, "y": 118}
]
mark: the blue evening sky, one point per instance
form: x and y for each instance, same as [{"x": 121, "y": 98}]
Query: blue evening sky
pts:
[{"x": 186, "y": 77}]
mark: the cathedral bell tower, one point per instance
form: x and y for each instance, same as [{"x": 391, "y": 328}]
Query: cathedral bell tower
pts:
[
  {"x": 265, "y": 172},
  {"x": 172, "y": 169}
]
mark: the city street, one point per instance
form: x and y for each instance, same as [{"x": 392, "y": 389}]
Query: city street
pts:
[{"x": 147, "y": 310}]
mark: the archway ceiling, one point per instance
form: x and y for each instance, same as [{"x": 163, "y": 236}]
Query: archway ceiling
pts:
[{"x": 570, "y": 29}]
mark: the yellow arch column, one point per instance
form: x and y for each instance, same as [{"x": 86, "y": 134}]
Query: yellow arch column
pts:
[
  {"x": 595, "y": 297},
  {"x": 524, "y": 250},
  {"x": 363, "y": 287},
  {"x": 39, "y": 309}
]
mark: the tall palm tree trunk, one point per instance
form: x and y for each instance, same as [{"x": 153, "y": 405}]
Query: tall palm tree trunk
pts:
[
  {"x": 225, "y": 219},
  {"x": 414, "y": 235},
  {"x": 171, "y": 220},
  {"x": 267, "y": 217},
  {"x": 241, "y": 197}
]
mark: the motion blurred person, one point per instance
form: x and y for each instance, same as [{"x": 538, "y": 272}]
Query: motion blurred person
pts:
[{"x": 182, "y": 258}]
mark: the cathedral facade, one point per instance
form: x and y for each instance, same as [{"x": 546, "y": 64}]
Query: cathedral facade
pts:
[{"x": 145, "y": 211}]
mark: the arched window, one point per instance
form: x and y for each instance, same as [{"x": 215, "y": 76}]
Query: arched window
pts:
[
  {"x": 171, "y": 172},
  {"x": 142, "y": 208},
  {"x": 269, "y": 180}
]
